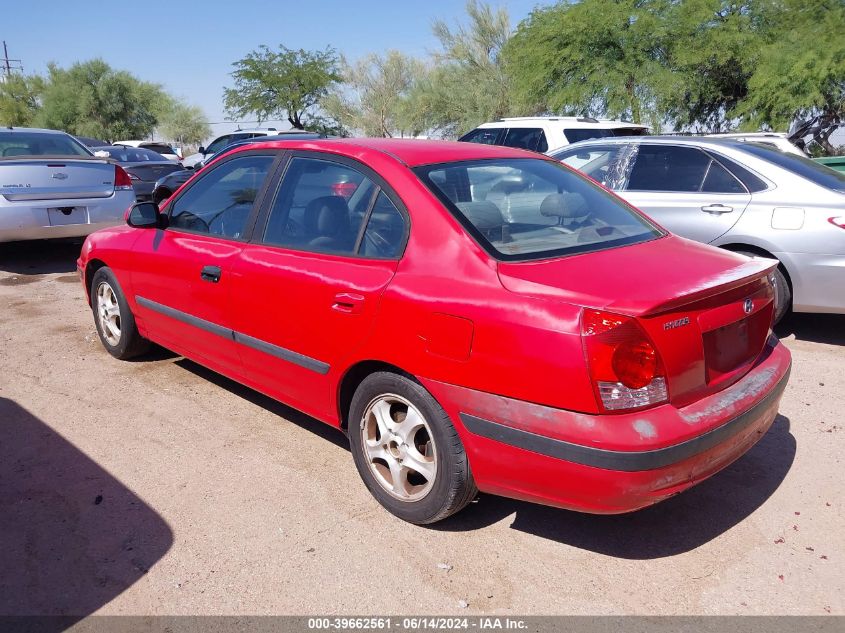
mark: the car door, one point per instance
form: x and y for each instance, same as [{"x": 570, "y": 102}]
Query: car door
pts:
[
  {"x": 685, "y": 189},
  {"x": 182, "y": 274},
  {"x": 306, "y": 289}
]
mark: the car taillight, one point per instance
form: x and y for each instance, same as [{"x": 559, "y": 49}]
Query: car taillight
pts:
[
  {"x": 122, "y": 180},
  {"x": 838, "y": 221},
  {"x": 344, "y": 189},
  {"x": 625, "y": 367}
]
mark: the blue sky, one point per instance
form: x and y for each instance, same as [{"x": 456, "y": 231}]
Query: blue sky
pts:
[{"x": 189, "y": 46}]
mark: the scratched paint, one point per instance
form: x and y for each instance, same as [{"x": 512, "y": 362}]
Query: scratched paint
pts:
[
  {"x": 726, "y": 403},
  {"x": 645, "y": 429}
]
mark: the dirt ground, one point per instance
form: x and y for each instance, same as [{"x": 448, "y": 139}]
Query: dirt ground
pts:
[{"x": 158, "y": 487}]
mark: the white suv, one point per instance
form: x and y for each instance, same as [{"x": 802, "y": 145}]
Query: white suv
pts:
[
  {"x": 541, "y": 134},
  {"x": 225, "y": 140}
]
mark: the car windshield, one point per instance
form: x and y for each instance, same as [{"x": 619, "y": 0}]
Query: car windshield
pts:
[
  {"x": 528, "y": 208},
  {"x": 131, "y": 154},
  {"x": 39, "y": 144},
  {"x": 806, "y": 167},
  {"x": 161, "y": 148},
  {"x": 573, "y": 135}
]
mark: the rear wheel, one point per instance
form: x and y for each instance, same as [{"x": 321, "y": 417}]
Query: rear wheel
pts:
[
  {"x": 783, "y": 294},
  {"x": 160, "y": 195},
  {"x": 407, "y": 451},
  {"x": 114, "y": 321}
]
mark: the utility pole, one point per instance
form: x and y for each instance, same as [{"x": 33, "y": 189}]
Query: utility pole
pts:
[{"x": 8, "y": 67}]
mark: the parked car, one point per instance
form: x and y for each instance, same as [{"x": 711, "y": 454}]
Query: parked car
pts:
[
  {"x": 167, "y": 185},
  {"x": 779, "y": 140},
  {"x": 744, "y": 197},
  {"x": 540, "y": 134},
  {"x": 169, "y": 152},
  {"x": 144, "y": 166},
  {"x": 581, "y": 357},
  {"x": 89, "y": 142},
  {"x": 52, "y": 186},
  {"x": 224, "y": 140}
]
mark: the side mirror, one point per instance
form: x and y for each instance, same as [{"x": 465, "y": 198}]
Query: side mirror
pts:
[
  {"x": 144, "y": 215},
  {"x": 201, "y": 150}
]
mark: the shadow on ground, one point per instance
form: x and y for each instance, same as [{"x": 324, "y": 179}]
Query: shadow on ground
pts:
[
  {"x": 677, "y": 525},
  {"x": 274, "y": 406},
  {"x": 73, "y": 537},
  {"x": 39, "y": 257},
  {"x": 817, "y": 328}
]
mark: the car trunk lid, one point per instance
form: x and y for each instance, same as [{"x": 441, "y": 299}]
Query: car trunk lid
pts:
[
  {"x": 59, "y": 178},
  {"x": 708, "y": 311},
  {"x": 150, "y": 172}
]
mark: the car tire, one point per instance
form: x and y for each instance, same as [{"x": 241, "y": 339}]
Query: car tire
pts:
[
  {"x": 114, "y": 320},
  {"x": 407, "y": 451},
  {"x": 783, "y": 293},
  {"x": 161, "y": 195}
]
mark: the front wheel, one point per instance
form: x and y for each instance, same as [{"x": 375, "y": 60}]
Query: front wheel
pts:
[
  {"x": 407, "y": 451},
  {"x": 115, "y": 322}
]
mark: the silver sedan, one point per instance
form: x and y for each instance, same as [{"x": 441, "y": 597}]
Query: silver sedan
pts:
[
  {"x": 745, "y": 197},
  {"x": 53, "y": 186}
]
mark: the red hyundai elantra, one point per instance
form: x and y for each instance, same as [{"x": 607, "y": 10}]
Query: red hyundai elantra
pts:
[{"x": 473, "y": 317}]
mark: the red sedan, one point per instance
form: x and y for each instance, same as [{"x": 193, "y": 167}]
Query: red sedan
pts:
[{"x": 574, "y": 354}]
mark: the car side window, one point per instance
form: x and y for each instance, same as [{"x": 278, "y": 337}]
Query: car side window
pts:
[
  {"x": 604, "y": 163},
  {"x": 485, "y": 136},
  {"x": 220, "y": 202},
  {"x": 218, "y": 144},
  {"x": 720, "y": 180},
  {"x": 668, "y": 168},
  {"x": 530, "y": 138},
  {"x": 319, "y": 207},
  {"x": 385, "y": 230}
]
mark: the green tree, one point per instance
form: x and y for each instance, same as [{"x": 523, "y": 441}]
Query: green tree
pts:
[
  {"x": 92, "y": 99},
  {"x": 468, "y": 84},
  {"x": 375, "y": 95},
  {"x": 19, "y": 99},
  {"x": 712, "y": 49},
  {"x": 595, "y": 57},
  {"x": 183, "y": 123},
  {"x": 281, "y": 84},
  {"x": 800, "y": 72}
]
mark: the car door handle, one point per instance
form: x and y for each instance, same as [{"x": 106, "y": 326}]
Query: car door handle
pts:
[
  {"x": 210, "y": 273},
  {"x": 348, "y": 302},
  {"x": 717, "y": 209}
]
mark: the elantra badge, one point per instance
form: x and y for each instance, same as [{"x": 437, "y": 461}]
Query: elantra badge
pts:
[
  {"x": 748, "y": 306},
  {"x": 671, "y": 325}
]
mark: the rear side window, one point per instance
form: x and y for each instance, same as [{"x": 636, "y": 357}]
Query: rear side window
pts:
[
  {"x": 530, "y": 138},
  {"x": 161, "y": 148},
  {"x": 668, "y": 168},
  {"x": 752, "y": 182},
  {"x": 221, "y": 201},
  {"x": 485, "y": 136},
  {"x": 573, "y": 135},
  {"x": 385, "y": 232},
  {"x": 720, "y": 180}
]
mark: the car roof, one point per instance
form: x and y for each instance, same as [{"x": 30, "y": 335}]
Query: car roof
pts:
[
  {"x": 656, "y": 140},
  {"x": 29, "y": 130},
  {"x": 411, "y": 152},
  {"x": 569, "y": 121}
]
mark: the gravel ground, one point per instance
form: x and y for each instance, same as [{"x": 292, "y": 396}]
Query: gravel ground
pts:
[{"x": 158, "y": 487}]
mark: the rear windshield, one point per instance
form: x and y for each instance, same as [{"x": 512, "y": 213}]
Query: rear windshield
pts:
[
  {"x": 159, "y": 147},
  {"x": 131, "y": 154},
  {"x": 528, "y": 208},
  {"x": 39, "y": 144},
  {"x": 805, "y": 167}
]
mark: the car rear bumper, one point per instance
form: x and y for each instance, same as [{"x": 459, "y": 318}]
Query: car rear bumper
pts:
[
  {"x": 550, "y": 456},
  {"x": 35, "y": 220},
  {"x": 818, "y": 281}
]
